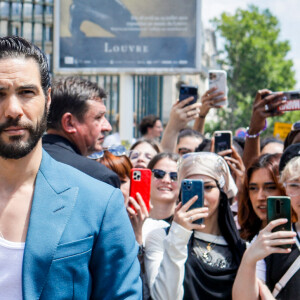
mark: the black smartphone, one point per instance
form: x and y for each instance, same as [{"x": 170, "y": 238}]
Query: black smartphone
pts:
[
  {"x": 279, "y": 207},
  {"x": 223, "y": 140},
  {"x": 187, "y": 91},
  {"x": 191, "y": 188}
]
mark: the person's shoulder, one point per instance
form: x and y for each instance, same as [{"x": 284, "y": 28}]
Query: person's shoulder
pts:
[
  {"x": 72, "y": 176},
  {"x": 63, "y": 151}
]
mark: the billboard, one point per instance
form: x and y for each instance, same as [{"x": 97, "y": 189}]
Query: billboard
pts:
[{"x": 113, "y": 36}]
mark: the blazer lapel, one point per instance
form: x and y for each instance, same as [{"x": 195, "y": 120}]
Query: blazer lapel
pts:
[{"x": 52, "y": 205}]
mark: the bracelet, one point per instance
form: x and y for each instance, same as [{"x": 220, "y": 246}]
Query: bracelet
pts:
[
  {"x": 253, "y": 136},
  {"x": 202, "y": 117}
]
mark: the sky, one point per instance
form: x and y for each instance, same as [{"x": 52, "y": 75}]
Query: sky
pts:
[{"x": 287, "y": 12}]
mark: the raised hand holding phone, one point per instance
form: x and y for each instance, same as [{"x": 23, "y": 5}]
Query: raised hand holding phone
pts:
[
  {"x": 187, "y": 91},
  {"x": 185, "y": 216},
  {"x": 268, "y": 242},
  {"x": 137, "y": 216},
  {"x": 218, "y": 80}
]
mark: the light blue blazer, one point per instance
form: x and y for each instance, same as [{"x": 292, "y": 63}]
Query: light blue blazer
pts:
[{"x": 80, "y": 243}]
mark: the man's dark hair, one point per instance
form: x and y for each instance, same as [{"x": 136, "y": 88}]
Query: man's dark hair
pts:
[
  {"x": 147, "y": 122},
  {"x": 71, "y": 94},
  {"x": 269, "y": 140},
  {"x": 189, "y": 132},
  {"x": 17, "y": 47}
]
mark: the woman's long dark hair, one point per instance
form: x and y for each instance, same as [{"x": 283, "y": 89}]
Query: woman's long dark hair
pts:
[{"x": 248, "y": 220}]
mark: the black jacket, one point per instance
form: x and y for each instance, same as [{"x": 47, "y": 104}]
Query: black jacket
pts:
[{"x": 64, "y": 151}]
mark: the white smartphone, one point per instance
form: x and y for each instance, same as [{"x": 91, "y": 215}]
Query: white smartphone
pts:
[{"x": 218, "y": 79}]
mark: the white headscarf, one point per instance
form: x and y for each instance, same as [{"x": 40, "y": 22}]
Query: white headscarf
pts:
[{"x": 209, "y": 164}]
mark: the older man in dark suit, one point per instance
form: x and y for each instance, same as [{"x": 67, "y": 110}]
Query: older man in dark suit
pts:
[{"x": 76, "y": 126}]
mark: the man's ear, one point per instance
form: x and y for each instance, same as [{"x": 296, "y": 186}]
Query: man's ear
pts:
[{"x": 68, "y": 123}]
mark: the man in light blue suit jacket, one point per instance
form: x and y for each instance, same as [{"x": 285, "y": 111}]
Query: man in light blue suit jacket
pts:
[{"x": 77, "y": 239}]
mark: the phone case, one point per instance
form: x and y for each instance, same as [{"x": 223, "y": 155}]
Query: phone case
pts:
[
  {"x": 218, "y": 79},
  {"x": 293, "y": 101},
  {"x": 279, "y": 207},
  {"x": 187, "y": 91},
  {"x": 223, "y": 140},
  {"x": 190, "y": 188},
  {"x": 140, "y": 182}
]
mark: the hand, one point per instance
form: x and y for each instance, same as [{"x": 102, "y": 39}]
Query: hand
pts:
[
  {"x": 264, "y": 291},
  {"x": 236, "y": 166},
  {"x": 208, "y": 101},
  {"x": 185, "y": 217},
  {"x": 267, "y": 242},
  {"x": 180, "y": 114},
  {"x": 138, "y": 216},
  {"x": 260, "y": 113}
]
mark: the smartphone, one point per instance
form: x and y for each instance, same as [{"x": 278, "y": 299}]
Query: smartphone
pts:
[
  {"x": 140, "y": 182},
  {"x": 223, "y": 140},
  {"x": 293, "y": 101},
  {"x": 191, "y": 188},
  {"x": 218, "y": 79},
  {"x": 279, "y": 207},
  {"x": 187, "y": 91}
]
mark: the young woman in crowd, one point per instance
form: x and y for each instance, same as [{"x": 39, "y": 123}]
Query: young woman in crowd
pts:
[
  {"x": 264, "y": 260},
  {"x": 197, "y": 261},
  {"x": 262, "y": 180},
  {"x": 164, "y": 186},
  {"x": 164, "y": 195},
  {"x": 142, "y": 151}
]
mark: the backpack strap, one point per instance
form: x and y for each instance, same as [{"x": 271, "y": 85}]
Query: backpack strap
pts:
[{"x": 288, "y": 274}]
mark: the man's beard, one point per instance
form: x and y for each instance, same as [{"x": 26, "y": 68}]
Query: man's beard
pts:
[{"x": 18, "y": 148}]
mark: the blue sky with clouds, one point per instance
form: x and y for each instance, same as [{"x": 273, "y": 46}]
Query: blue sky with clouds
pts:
[{"x": 287, "y": 12}]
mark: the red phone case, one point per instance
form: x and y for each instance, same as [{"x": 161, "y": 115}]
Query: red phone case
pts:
[{"x": 140, "y": 182}]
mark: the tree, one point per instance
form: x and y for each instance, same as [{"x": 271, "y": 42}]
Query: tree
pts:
[{"x": 254, "y": 58}]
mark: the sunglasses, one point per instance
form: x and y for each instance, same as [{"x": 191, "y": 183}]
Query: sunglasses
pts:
[
  {"x": 135, "y": 154},
  {"x": 160, "y": 174},
  {"x": 115, "y": 150}
]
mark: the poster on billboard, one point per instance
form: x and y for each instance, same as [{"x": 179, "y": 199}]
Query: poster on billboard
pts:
[{"x": 115, "y": 36}]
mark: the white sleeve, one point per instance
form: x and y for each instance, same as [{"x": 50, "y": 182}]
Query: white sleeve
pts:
[
  {"x": 261, "y": 270},
  {"x": 165, "y": 257}
]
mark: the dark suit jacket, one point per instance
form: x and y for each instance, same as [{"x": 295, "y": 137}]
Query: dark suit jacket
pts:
[
  {"x": 80, "y": 243},
  {"x": 64, "y": 151}
]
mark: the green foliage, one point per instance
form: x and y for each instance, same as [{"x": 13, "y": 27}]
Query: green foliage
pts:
[{"x": 255, "y": 59}]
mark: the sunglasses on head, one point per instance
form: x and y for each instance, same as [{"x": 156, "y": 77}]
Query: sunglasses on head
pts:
[
  {"x": 160, "y": 174},
  {"x": 134, "y": 154},
  {"x": 115, "y": 150}
]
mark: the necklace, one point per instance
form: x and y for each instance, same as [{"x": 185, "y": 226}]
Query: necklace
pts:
[{"x": 205, "y": 254}]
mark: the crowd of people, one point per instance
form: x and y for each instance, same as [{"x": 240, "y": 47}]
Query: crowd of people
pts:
[
  {"x": 235, "y": 253},
  {"x": 71, "y": 229}
]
